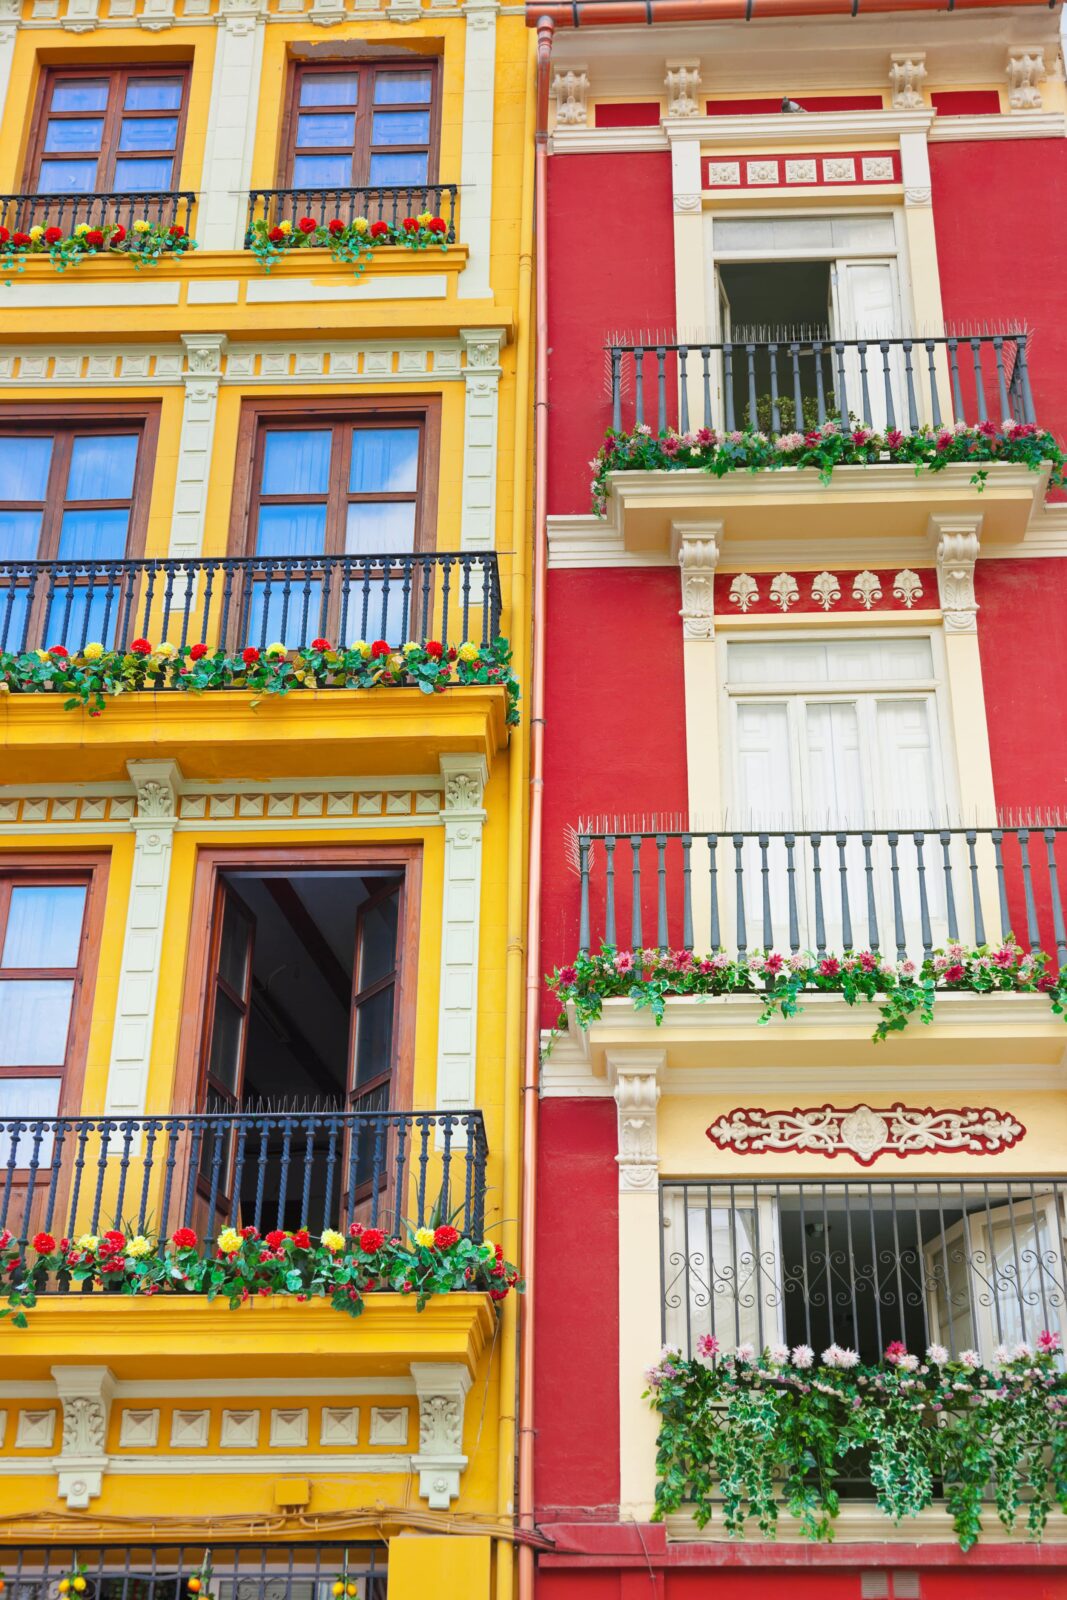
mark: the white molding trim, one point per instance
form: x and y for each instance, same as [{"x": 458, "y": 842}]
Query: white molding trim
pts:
[
  {"x": 606, "y": 141},
  {"x": 10, "y": 22},
  {"x": 199, "y": 1463},
  {"x": 204, "y": 352},
  {"x": 481, "y": 376},
  {"x": 999, "y": 125},
  {"x": 476, "y": 150},
  {"x": 464, "y": 818},
  {"x": 861, "y": 1522},
  {"x": 231, "y": 127},
  {"x": 225, "y": 1388},
  {"x": 773, "y": 129}
]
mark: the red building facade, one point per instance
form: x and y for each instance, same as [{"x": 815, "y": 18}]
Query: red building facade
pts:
[{"x": 810, "y": 709}]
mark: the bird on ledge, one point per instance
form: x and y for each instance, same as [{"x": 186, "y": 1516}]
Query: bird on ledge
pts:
[{"x": 791, "y": 105}]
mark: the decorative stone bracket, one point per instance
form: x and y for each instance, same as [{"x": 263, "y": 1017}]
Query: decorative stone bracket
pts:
[
  {"x": 637, "y": 1093},
  {"x": 441, "y": 1387},
  {"x": 956, "y": 544},
  {"x": 85, "y": 1394},
  {"x": 696, "y": 547},
  {"x": 571, "y": 90}
]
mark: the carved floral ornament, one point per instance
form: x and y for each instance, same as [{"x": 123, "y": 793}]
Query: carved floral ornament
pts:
[
  {"x": 826, "y": 589},
  {"x": 865, "y": 1132}
]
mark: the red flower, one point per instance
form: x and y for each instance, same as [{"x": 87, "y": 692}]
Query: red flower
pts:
[
  {"x": 274, "y": 1238},
  {"x": 567, "y": 976},
  {"x": 307, "y": 224},
  {"x": 94, "y": 238},
  {"x": 445, "y": 1236},
  {"x": 955, "y": 973},
  {"x": 116, "y": 237},
  {"x": 177, "y": 231},
  {"x": 43, "y": 1243},
  {"x": 58, "y": 650},
  {"x": 437, "y": 225},
  {"x": 378, "y": 229},
  {"x": 5, "y": 234},
  {"x": 830, "y": 967},
  {"x": 498, "y": 1294},
  {"x": 302, "y": 1239},
  {"x": 184, "y": 1238},
  {"x": 371, "y": 1240},
  {"x": 410, "y": 225},
  {"x": 21, "y": 238},
  {"x": 434, "y": 649},
  {"x": 250, "y": 655},
  {"x": 320, "y": 644},
  {"x": 141, "y": 647},
  {"x": 378, "y": 649},
  {"x": 198, "y": 652},
  {"x": 53, "y": 235},
  {"x": 355, "y": 1229},
  {"x": 276, "y": 236},
  {"x": 335, "y": 225},
  {"x": 250, "y": 1232}
]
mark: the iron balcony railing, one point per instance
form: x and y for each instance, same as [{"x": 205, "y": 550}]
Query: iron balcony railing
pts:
[
  {"x": 779, "y": 384},
  {"x": 69, "y": 1176},
  {"x": 21, "y": 212},
  {"x": 392, "y": 205},
  {"x": 234, "y": 601},
  {"x": 969, "y": 1264},
  {"x": 901, "y": 891},
  {"x": 149, "y": 1571}
]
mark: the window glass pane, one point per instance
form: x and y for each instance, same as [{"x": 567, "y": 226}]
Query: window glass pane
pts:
[
  {"x": 80, "y": 94},
  {"x": 402, "y": 88},
  {"x": 398, "y": 171},
  {"x": 233, "y": 946},
  {"x": 102, "y": 466},
  {"x": 28, "y": 1099},
  {"x": 401, "y": 127},
  {"x": 80, "y": 613},
  {"x": 326, "y": 128},
  {"x": 154, "y": 94},
  {"x": 292, "y": 619},
  {"x": 225, "y": 1061},
  {"x": 291, "y": 531},
  {"x": 374, "y": 1037},
  {"x": 329, "y": 89},
  {"x": 379, "y": 610},
  {"x": 384, "y": 460},
  {"x": 93, "y": 536},
  {"x": 20, "y": 535},
  {"x": 24, "y": 464},
  {"x": 296, "y": 462},
  {"x": 74, "y": 133},
  {"x": 14, "y": 611},
  {"x": 34, "y": 1021},
  {"x": 67, "y": 177},
  {"x": 142, "y": 176},
  {"x": 380, "y": 528},
  {"x": 377, "y": 956},
  {"x": 44, "y": 925},
  {"x": 149, "y": 133},
  {"x": 322, "y": 172}
]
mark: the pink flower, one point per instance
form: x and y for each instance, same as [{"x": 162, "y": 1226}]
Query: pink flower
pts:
[
  {"x": 567, "y": 976},
  {"x": 894, "y": 1351},
  {"x": 868, "y": 961},
  {"x": 624, "y": 961},
  {"x": 708, "y": 1345},
  {"x": 829, "y": 967},
  {"x": 682, "y": 960},
  {"x": 774, "y": 962},
  {"x": 803, "y": 1356},
  {"x": 745, "y": 1353},
  {"x": 1049, "y": 1342}
]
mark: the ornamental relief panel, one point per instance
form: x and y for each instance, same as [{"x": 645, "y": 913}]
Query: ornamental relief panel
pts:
[
  {"x": 865, "y": 591},
  {"x": 866, "y": 1132}
]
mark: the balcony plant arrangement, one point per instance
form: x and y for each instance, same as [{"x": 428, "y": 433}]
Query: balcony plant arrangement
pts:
[
  {"x": 92, "y": 675},
  {"x": 353, "y": 242},
  {"x": 751, "y": 1434},
  {"x": 342, "y": 1268},
  {"x": 144, "y": 243},
  {"x": 901, "y": 990},
  {"x": 822, "y": 449}
]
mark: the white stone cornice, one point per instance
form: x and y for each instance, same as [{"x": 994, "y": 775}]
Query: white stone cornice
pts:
[
  {"x": 604, "y": 141},
  {"x": 970, "y": 130},
  {"x": 774, "y": 131}
]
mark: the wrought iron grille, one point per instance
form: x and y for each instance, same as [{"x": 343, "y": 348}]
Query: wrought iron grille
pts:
[
  {"x": 234, "y": 601},
  {"x": 392, "y": 205},
  {"x": 21, "y": 212},
  {"x": 902, "y": 891},
  {"x": 892, "y": 382},
  {"x": 271, "y": 1169},
  {"x": 162, "y": 1572},
  {"x": 965, "y": 1263}
]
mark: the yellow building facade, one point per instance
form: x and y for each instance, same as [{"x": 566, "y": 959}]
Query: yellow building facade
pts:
[{"x": 262, "y": 950}]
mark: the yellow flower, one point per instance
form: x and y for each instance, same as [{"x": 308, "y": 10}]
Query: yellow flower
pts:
[
  {"x": 37, "y": 231},
  {"x": 332, "y": 1240},
  {"x": 467, "y": 652},
  {"x": 396, "y": 662},
  {"x": 42, "y": 655},
  {"x": 229, "y": 1241},
  {"x": 81, "y": 230},
  {"x": 139, "y": 1246},
  {"x": 88, "y": 1241},
  {"x": 424, "y": 218},
  {"x": 141, "y": 225},
  {"x": 424, "y": 1237},
  {"x": 165, "y": 650},
  {"x": 285, "y": 227},
  {"x": 363, "y": 647},
  {"x": 93, "y": 651},
  {"x": 361, "y": 225},
  {"x": 275, "y": 649},
  {"x": 410, "y": 648}
]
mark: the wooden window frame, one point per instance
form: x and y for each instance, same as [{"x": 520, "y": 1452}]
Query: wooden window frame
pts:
[
  {"x": 26, "y": 869},
  {"x": 258, "y": 415},
  {"x": 119, "y": 77},
  {"x": 363, "y": 111},
  {"x": 403, "y": 861}
]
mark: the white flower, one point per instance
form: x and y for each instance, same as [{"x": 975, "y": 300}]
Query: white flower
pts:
[
  {"x": 745, "y": 1353},
  {"x": 971, "y": 1359},
  {"x": 778, "y": 1355},
  {"x": 835, "y": 1356},
  {"x": 1000, "y": 1354},
  {"x": 937, "y": 1354},
  {"x": 1022, "y": 1352},
  {"x": 643, "y": 427},
  {"x": 907, "y": 1363},
  {"x": 803, "y": 1356}
]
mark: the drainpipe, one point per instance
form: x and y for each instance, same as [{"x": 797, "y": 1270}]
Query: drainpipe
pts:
[
  {"x": 620, "y": 13},
  {"x": 531, "y": 1065}
]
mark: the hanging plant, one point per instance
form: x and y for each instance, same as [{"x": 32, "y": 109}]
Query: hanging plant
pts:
[
  {"x": 353, "y": 242},
  {"x": 144, "y": 243}
]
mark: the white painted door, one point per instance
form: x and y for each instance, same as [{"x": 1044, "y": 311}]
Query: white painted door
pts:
[{"x": 866, "y": 305}]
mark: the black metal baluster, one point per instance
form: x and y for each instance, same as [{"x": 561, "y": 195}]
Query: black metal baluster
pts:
[
  {"x": 924, "y": 904},
  {"x": 609, "y": 890},
  {"x": 636, "y": 937},
  {"x": 683, "y": 390},
  {"x": 713, "y": 870},
  {"x": 872, "y": 904},
  {"x": 959, "y": 413},
  {"x": 976, "y": 898},
  {"x": 739, "y": 894},
  {"x": 935, "y": 403},
  {"x": 842, "y": 869},
  {"x": 791, "y": 887},
  {"x": 950, "y": 898},
  {"x": 997, "y": 837},
  {"x": 662, "y": 935},
  {"x": 979, "y": 386},
  {"x": 815, "y": 840},
  {"x": 1033, "y": 933},
  {"x": 1058, "y": 929},
  {"x": 893, "y": 839},
  {"x": 687, "y": 892},
  {"x": 584, "y": 846},
  {"x": 765, "y": 877}
]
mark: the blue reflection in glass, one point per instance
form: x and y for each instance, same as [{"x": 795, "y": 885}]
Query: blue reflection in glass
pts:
[
  {"x": 141, "y": 176},
  {"x": 329, "y": 89},
  {"x": 24, "y": 464},
  {"x": 149, "y": 133},
  {"x": 154, "y": 94},
  {"x": 401, "y": 127},
  {"x": 44, "y": 925},
  {"x": 384, "y": 460},
  {"x": 326, "y": 128},
  {"x": 14, "y": 612},
  {"x": 291, "y": 531},
  {"x": 402, "y": 88},
  {"x": 81, "y": 613},
  {"x": 296, "y": 462},
  {"x": 93, "y": 535},
  {"x": 20, "y": 535},
  {"x": 377, "y": 610},
  {"x": 382, "y": 528},
  {"x": 398, "y": 171},
  {"x": 80, "y": 94},
  {"x": 102, "y": 466},
  {"x": 67, "y": 177},
  {"x": 322, "y": 172},
  {"x": 293, "y": 621},
  {"x": 74, "y": 133}
]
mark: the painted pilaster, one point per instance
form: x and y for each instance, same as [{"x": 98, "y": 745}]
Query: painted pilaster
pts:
[
  {"x": 923, "y": 269},
  {"x": 476, "y": 160},
  {"x": 689, "y": 293},
  {"x": 464, "y": 817},
  {"x": 10, "y": 22},
  {"x": 204, "y": 369},
  {"x": 956, "y": 543},
  {"x": 696, "y": 547},
  {"x": 157, "y": 784},
  {"x": 227, "y": 174},
  {"x": 636, "y": 1078},
  {"x": 85, "y": 1394},
  {"x": 441, "y": 1387},
  {"x": 481, "y": 376}
]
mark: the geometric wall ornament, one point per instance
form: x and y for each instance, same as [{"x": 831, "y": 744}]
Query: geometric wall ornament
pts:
[
  {"x": 339, "y": 1425},
  {"x": 389, "y": 1425},
  {"x": 289, "y": 1429},
  {"x": 36, "y": 1430},
  {"x": 188, "y": 1430},
  {"x": 240, "y": 1430},
  {"x": 139, "y": 1430},
  {"x": 865, "y": 1132}
]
